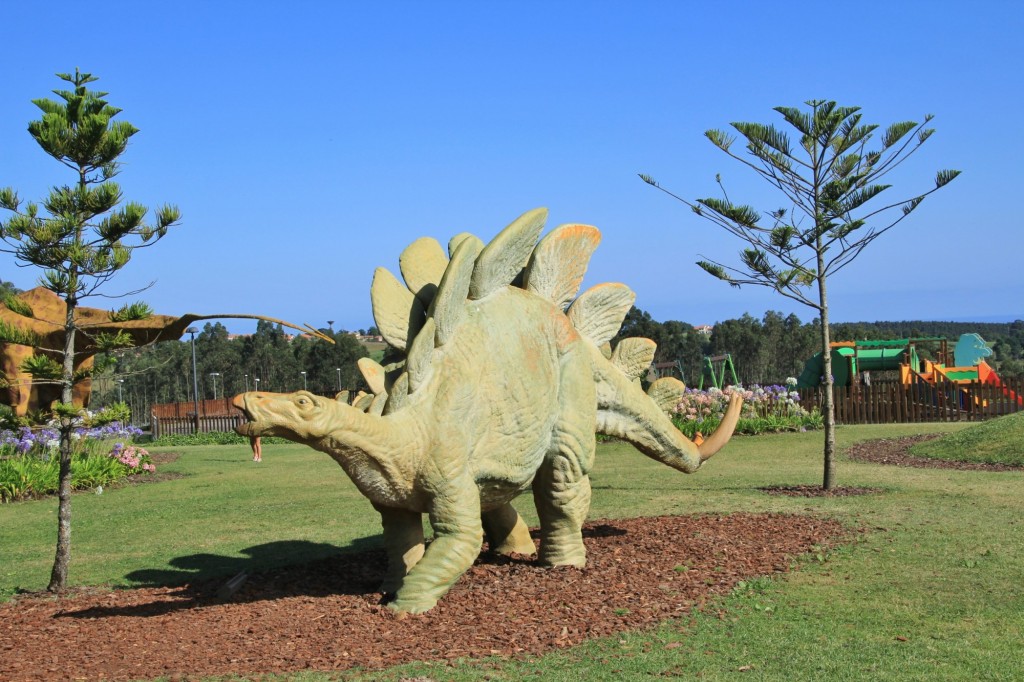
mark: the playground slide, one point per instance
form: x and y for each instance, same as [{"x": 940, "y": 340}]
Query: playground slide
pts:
[
  {"x": 988, "y": 375},
  {"x": 981, "y": 372}
]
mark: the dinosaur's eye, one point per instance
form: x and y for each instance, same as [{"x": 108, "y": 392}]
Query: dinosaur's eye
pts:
[{"x": 303, "y": 401}]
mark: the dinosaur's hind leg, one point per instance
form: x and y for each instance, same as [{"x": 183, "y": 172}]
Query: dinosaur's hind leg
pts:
[
  {"x": 506, "y": 532},
  {"x": 561, "y": 489}
]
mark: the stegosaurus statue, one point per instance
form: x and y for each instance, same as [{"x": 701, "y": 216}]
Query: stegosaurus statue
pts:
[{"x": 501, "y": 387}]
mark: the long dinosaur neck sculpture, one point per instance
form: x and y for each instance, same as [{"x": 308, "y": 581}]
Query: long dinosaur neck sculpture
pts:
[{"x": 34, "y": 323}]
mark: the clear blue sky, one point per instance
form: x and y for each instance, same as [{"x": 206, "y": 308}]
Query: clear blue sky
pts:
[{"x": 307, "y": 143}]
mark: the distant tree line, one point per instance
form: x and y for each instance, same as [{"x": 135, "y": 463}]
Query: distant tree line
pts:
[
  {"x": 775, "y": 347},
  {"x": 268, "y": 360},
  {"x": 764, "y": 351}
]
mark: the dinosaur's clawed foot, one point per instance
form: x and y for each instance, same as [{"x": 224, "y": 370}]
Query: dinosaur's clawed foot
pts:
[
  {"x": 574, "y": 557},
  {"x": 405, "y": 607}
]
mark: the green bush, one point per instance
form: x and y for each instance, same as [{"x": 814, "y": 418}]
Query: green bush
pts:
[
  {"x": 95, "y": 470},
  {"x": 208, "y": 438},
  {"x": 117, "y": 412},
  {"x": 25, "y": 476}
]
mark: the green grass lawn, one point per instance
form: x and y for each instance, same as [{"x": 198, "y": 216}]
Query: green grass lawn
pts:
[
  {"x": 998, "y": 441},
  {"x": 931, "y": 591}
]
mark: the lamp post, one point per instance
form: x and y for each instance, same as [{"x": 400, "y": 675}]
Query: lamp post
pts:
[
  {"x": 120, "y": 394},
  {"x": 304, "y": 387},
  {"x": 214, "y": 376},
  {"x": 246, "y": 382},
  {"x": 338, "y": 370},
  {"x": 195, "y": 377},
  {"x": 257, "y": 380}
]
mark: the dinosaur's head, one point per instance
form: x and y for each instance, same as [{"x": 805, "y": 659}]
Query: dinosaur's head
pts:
[{"x": 299, "y": 416}]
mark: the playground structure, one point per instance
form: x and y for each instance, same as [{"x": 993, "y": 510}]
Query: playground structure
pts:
[
  {"x": 714, "y": 371},
  {"x": 963, "y": 368}
]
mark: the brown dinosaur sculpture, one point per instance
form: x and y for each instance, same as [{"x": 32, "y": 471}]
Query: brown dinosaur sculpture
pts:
[
  {"x": 500, "y": 391},
  {"x": 43, "y": 329}
]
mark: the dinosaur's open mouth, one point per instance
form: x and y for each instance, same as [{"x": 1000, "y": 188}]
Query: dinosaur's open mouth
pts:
[{"x": 246, "y": 427}]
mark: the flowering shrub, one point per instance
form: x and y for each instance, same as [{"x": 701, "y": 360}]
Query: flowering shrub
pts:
[
  {"x": 765, "y": 409},
  {"x": 29, "y": 461},
  {"x": 134, "y": 458},
  {"x": 43, "y": 443}
]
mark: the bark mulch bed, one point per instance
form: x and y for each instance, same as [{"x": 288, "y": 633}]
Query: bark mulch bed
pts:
[
  {"x": 326, "y": 615},
  {"x": 818, "y": 491},
  {"x": 896, "y": 452}
]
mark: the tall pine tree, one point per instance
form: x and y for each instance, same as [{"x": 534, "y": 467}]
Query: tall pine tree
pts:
[
  {"x": 828, "y": 181},
  {"x": 80, "y": 236}
]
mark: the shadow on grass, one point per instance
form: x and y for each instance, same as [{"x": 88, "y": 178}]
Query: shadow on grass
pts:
[
  {"x": 314, "y": 570},
  {"x": 196, "y": 581},
  {"x": 203, "y": 567}
]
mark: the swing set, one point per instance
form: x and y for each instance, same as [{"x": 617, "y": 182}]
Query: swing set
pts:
[{"x": 715, "y": 369}]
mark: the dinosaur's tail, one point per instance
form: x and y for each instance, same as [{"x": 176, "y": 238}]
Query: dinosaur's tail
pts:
[{"x": 626, "y": 412}]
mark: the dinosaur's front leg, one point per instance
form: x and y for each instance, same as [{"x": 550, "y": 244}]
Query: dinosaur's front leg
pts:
[
  {"x": 506, "y": 532},
  {"x": 403, "y": 541},
  {"x": 458, "y": 534}
]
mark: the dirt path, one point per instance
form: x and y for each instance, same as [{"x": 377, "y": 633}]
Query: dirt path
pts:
[{"x": 896, "y": 452}]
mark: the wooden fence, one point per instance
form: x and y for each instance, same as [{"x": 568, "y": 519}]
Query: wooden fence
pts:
[
  {"x": 888, "y": 403},
  {"x": 180, "y": 418},
  {"x": 880, "y": 403}
]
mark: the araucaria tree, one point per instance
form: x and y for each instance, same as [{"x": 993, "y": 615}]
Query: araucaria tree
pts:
[
  {"x": 828, "y": 179},
  {"x": 81, "y": 238}
]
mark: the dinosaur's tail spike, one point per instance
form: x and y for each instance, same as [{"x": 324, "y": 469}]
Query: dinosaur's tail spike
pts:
[
  {"x": 717, "y": 440},
  {"x": 625, "y": 412}
]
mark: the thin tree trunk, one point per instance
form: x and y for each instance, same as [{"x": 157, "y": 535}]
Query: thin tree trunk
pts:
[
  {"x": 828, "y": 408},
  {"x": 59, "y": 574}
]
